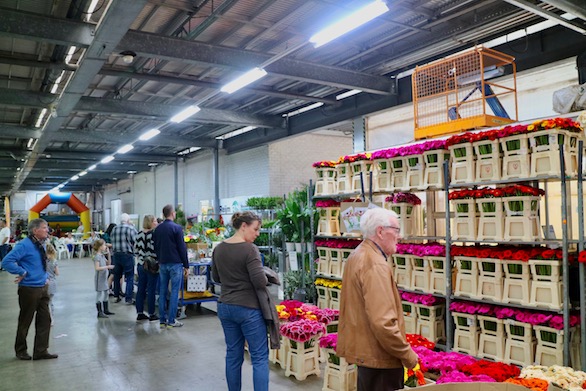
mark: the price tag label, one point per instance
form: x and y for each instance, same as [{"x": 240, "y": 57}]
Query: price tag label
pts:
[
  {"x": 552, "y": 139},
  {"x": 470, "y": 321},
  {"x": 293, "y": 265}
]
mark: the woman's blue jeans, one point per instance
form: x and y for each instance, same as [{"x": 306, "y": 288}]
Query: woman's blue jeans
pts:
[
  {"x": 239, "y": 324},
  {"x": 147, "y": 283}
]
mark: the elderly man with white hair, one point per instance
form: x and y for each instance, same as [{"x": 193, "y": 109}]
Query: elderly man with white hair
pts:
[
  {"x": 371, "y": 330},
  {"x": 123, "y": 237}
]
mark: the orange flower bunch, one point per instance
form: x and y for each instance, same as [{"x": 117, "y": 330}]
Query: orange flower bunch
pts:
[{"x": 531, "y": 383}]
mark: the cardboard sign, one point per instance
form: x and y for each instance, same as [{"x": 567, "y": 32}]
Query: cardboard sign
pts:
[{"x": 350, "y": 213}]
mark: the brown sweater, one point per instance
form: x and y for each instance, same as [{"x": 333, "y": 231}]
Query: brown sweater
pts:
[{"x": 237, "y": 266}]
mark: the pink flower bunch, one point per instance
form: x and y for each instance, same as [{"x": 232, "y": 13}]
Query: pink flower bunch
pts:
[
  {"x": 460, "y": 377},
  {"x": 338, "y": 243},
  {"x": 408, "y": 150},
  {"x": 442, "y": 361},
  {"x": 408, "y": 198},
  {"x": 385, "y": 153},
  {"x": 422, "y": 250},
  {"x": 419, "y": 299},
  {"x": 329, "y": 341},
  {"x": 302, "y": 330},
  {"x": 327, "y": 315},
  {"x": 467, "y": 307},
  {"x": 327, "y": 204}
]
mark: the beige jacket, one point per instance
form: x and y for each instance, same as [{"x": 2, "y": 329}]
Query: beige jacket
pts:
[{"x": 371, "y": 330}]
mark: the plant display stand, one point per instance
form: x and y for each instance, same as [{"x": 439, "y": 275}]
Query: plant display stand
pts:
[
  {"x": 491, "y": 220},
  {"x": 356, "y": 168},
  {"x": 323, "y": 297},
  {"x": 323, "y": 264},
  {"x": 516, "y": 157},
  {"x": 522, "y": 218},
  {"x": 402, "y": 270},
  {"x": 431, "y": 321},
  {"x": 492, "y": 338},
  {"x": 384, "y": 175},
  {"x": 490, "y": 279},
  {"x": 433, "y": 177},
  {"x": 519, "y": 344},
  {"x": 329, "y": 221},
  {"x": 410, "y": 317},
  {"x": 339, "y": 375},
  {"x": 437, "y": 282},
  {"x": 399, "y": 176},
  {"x": 546, "y": 287},
  {"x": 334, "y": 298},
  {"x": 326, "y": 183},
  {"x": 302, "y": 359},
  {"x": 410, "y": 218},
  {"x": 465, "y": 223},
  {"x": 545, "y": 146},
  {"x": 488, "y": 160},
  {"x": 550, "y": 346},
  {"x": 335, "y": 264},
  {"x": 466, "y": 334},
  {"x": 517, "y": 289},
  {"x": 344, "y": 178},
  {"x": 415, "y": 172},
  {"x": 463, "y": 163},
  {"x": 344, "y": 254},
  {"x": 279, "y": 356},
  {"x": 420, "y": 274},
  {"x": 467, "y": 277}
]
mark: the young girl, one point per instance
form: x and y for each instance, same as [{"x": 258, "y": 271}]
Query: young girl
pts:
[
  {"x": 102, "y": 265},
  {"x": 52, "y": 273}
]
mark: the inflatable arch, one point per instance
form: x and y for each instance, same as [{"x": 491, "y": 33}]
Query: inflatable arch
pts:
[{"x": 63, "y": 198}]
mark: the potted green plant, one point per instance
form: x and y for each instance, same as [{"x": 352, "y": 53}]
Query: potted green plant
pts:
[{"x": 294, "y": 217}]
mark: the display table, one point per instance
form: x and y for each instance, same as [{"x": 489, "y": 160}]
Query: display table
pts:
[{"x": 200, "y": 268}]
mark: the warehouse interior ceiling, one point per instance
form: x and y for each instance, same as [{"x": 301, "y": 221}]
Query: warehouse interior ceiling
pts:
[{"x": 79, "y": 79}]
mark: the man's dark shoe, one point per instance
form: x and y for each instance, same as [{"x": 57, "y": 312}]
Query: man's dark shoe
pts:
[
  {"x": 153, "y": 317},
  {"x": 45, "y": 356},
  {"x": 24, "y": 356},
  {"x": 118, "y": 300},
  {"x": 142, "y": 317}
]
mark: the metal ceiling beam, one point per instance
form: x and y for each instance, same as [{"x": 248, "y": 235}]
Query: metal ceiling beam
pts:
[
  {"x": 216, "y": 86},
  {"x": 575, "y": 7},
  {"x": 44, "y": 28},
  {"x": 527, "y": 6},
  {"x": 15, "y": 131},
  {"x": 158, "y": 111},
  {"x": 115, "y": 22},
  {"x": 175, "y": 49},
  {"x": 105, "y": 137},
  {"x": 92, "y": 157},
  {"x": 24, "y": 98}
]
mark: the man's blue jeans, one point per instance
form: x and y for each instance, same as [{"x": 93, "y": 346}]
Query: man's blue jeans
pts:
[
  {"x": 169, "y": 272},
  {"x": 239, "y": 324},
  {"x": 124, "y": 265},
  {"x": 147, "y": 283}
]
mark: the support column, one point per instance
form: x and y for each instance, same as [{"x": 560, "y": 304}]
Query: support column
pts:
[
  {"x": 176, "y": 183},
  {"x": 216, "y": 170},
  {"x": 359, "y": 134}
]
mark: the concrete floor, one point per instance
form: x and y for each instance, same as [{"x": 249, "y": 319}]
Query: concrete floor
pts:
[{"x": 119, "y": 353}]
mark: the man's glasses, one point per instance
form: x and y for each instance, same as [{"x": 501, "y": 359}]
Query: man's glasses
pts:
[{"x": 397, "y": 229}]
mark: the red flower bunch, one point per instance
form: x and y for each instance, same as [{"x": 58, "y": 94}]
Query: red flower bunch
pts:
[
  {"x": 582, "y": 257},
  {"x": 408, "y": 198},
  {"x": 556, "y": 123},
  {"x": 418, "y": 340},
  {"x": 354, "y": 158},
  {"x": 302, "y": 330},
  {"x": 338, "y": 243},
  {"x": 325, "y": 163},
  {"x": 508, "y": 191},
  {"x": 460, "y": 139},
  {"x": 504, "y": 252},
  {"x": 497, "y": 370},
  {"x": 327, "y": 204},
  {"x": 329, "y": 341}
]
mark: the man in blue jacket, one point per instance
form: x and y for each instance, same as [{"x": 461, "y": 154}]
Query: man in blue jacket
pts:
[
  {"x": 172, "y": 256},
  {"x": 28, "y": 261}
]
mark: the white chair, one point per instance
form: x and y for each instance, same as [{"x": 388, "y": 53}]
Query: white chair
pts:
[{"x": 62, "y": 249}]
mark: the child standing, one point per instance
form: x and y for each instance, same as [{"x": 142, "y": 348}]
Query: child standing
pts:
[
  {"x": 52, "y": 273},
  {"x": 102, "y": 264}
]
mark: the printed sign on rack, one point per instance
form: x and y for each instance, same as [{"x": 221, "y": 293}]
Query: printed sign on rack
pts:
[{"x": 350, "y": 213}]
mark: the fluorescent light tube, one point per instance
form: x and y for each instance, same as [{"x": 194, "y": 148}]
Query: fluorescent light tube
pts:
[
  {"x": 184, "y": 114},
  {"x": 60, "y": 186},
  {"x": 349, "y": 23},
  {"x": 244, "y": 80},
  {"x": 149, "y": 134},
  {"x": 347, "y": 94},
  {"x": 75, "y": 177},
  {"x": 125, "y": 148},
  {"x": 82, "y": 173},
  {"x": 92, "y": 167},
  {"x": 107, "y": 159}
]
